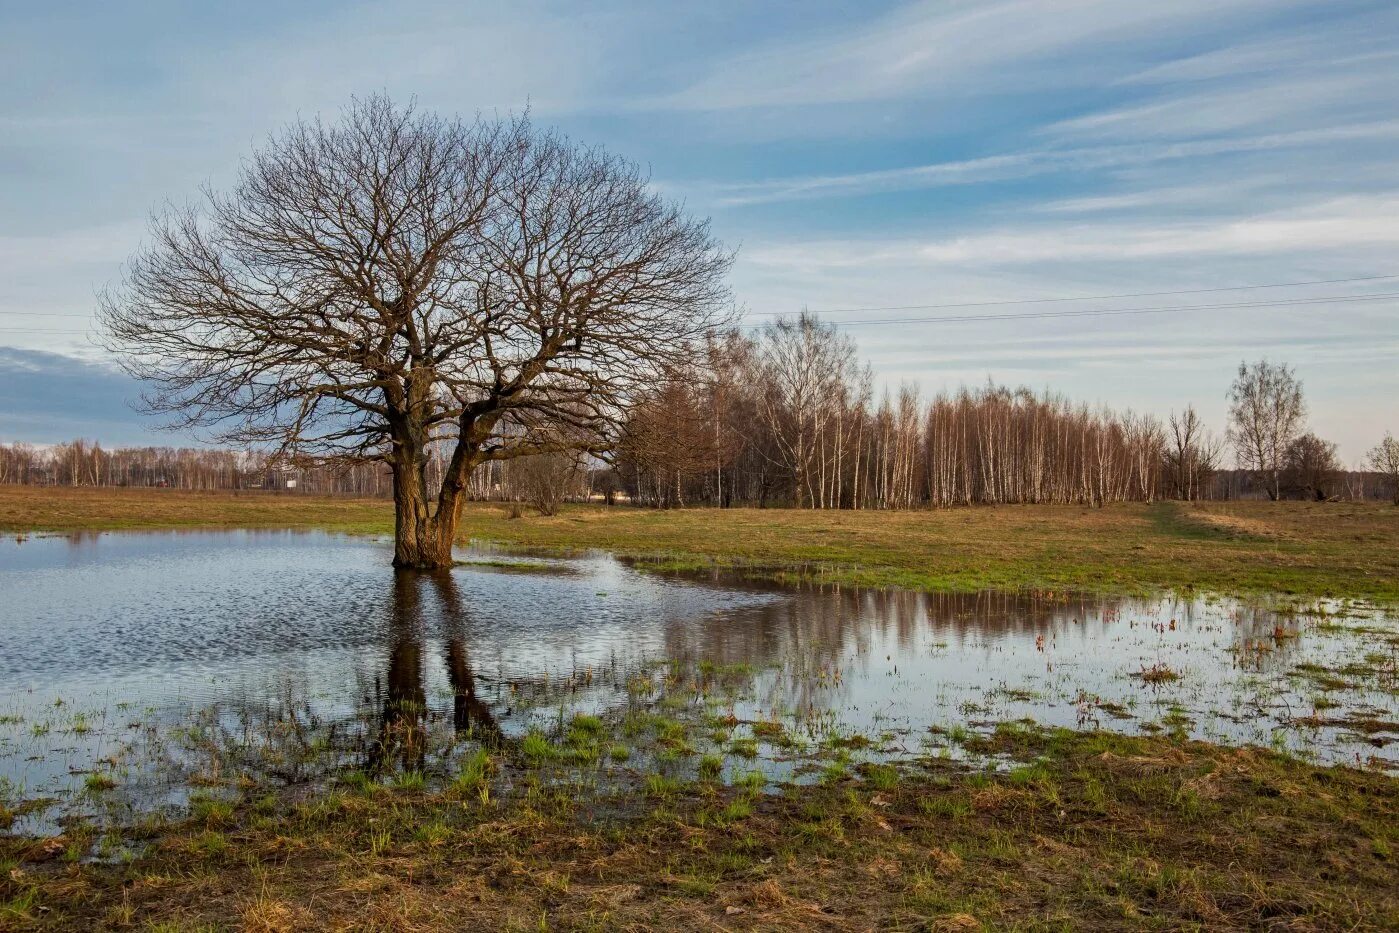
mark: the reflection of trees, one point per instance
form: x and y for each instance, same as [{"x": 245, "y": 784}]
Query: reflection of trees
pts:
[
  {"x": 402, "y": 696},
  {"x": 831, "y": 622},
  {"x": 403, "y": 700},
  {"x": 820, "y": 629},
  {"x": 812, "y": 635},
  {"x": 470, "y": 714},
  {"x": 828, "y": 623}
]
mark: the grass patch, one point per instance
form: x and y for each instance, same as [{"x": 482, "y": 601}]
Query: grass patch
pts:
[
  {"x": 97, "y": 782},
  {"x": 1079, "y": 830},
  {"x": 536, "y": 748},
  {"x": 1157, "y": 673},
  {"x": 474, "y": 772}
]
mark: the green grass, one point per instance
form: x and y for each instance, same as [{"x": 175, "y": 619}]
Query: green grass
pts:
[
  {"x": 1301, "y": 549},
  {"x": 97, "y": 782},
  {"x": 710, "y": 767},
  {"x": 744, "y": 747},
  {"x": 474, "y": 772},
  {"x": 659, "y": 785},
  {"x": 536, "y": 748},
  {"x": 409, "y": 781},
  {"x": 210, "y": 811}
]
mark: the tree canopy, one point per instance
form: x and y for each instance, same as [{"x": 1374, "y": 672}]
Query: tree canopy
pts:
[{"x": 397, "y": 279}]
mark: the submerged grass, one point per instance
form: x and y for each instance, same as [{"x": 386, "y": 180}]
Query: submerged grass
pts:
[
  {"x": 1082, "y": 830},
  {"x": 1292, "y": 548}
]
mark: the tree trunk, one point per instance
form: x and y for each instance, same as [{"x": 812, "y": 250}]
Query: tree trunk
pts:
[{"x": 422, "y": 538}]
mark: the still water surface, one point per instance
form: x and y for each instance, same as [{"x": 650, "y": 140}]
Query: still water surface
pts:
[{"x": 103, "y": 635}]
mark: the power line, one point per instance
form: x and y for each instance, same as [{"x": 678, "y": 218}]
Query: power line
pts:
[
  {"x": 1031, "y": 301},
  {"x": 48, "y": 314}
]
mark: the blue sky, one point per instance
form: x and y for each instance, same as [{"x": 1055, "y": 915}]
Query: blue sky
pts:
[{"x": 859, "y": 155}]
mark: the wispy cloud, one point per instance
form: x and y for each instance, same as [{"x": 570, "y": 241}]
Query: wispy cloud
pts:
[
  {"x": 933, "y": 46},
  {"x": 1338, "y": 72},
  {"x": 1344, "y": 44},
  {"x": 1300, "y": 100},
  {"x": 1371, "y": 223},
  {"x": 1039, "y": 161},
  {"x": 1199, "y": 197}
]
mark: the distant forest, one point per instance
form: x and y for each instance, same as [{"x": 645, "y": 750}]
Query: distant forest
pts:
[
  {"x": 789, "y": 418},
  {"x": 87, "y": 463}
]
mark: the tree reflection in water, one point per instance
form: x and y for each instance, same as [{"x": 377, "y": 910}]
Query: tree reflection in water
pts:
[
  {"x": 822, "y": 649},
  {"x": 401, "y": 738}
]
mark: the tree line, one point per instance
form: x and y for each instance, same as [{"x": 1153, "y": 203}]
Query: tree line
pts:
[
  {"x": 88, "y": 463},
  {"x": 789, "y": 417}
]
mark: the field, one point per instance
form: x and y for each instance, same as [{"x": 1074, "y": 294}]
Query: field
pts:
[
  {"x": 1084, "y": 831},
  {"x": 1347, "y": 550},
  {"x": 650, "y": 815}
]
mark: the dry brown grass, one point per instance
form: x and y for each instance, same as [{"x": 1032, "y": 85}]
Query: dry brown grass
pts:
[
  {"x": 1234, "y": 525},
  {"x": 70, "y": 509}
]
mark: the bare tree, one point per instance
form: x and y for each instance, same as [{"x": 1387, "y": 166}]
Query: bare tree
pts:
[
  {"x": 397, "y": 281},
  {"x": 1192, "y": 454},
  {"x": 1384, "y": 458},
  {"x": 806, "y": 367},
  {"x": 668, "y": 439},
  {"x": 547, "y": 479},
  {"x": 19, "y": 463},
  {"x": 1266, "y": 415},
  {"x": 1145, "y": 443},
  {"x": 1311, "y": 467}
]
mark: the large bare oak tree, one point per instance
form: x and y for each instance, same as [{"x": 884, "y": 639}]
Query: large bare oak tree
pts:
[{"x": 374, "y": 286}]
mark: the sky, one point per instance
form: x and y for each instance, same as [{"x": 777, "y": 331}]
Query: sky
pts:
[{"x": 870, "y": 161}]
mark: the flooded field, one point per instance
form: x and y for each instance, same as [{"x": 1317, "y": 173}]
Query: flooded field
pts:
[{"x": 141, "y": 673}]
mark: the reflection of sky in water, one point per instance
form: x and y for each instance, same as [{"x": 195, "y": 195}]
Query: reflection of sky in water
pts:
[
  {"x": 116, "y": 624},
  {"x": 156, "y": 612},
  {"x": 899, "y": 661}
]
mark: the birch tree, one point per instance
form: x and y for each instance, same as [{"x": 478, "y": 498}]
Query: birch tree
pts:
[
  {"x": 1266, "y": 413},
  {"x": 1384, "y": 459}
]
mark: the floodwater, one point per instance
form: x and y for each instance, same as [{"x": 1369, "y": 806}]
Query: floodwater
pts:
[{"x": 106, "y": 639}]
